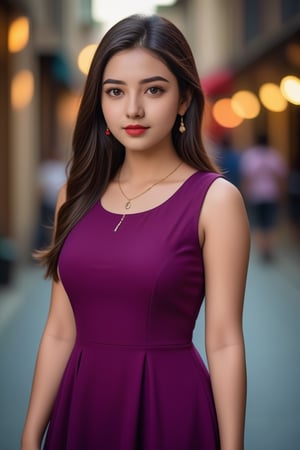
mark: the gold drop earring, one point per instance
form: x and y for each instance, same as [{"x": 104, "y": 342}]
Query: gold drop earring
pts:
[{"x": 182, "y": 128}]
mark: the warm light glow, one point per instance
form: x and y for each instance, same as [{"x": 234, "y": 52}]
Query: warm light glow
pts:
[
  {"x": 18, "y": 34},
  {"x": 271, "y": 97},
  {"x": 22, "y": 88},
  {"x": 113, "y": 10},
  {"x": 290, "y": 88},
  {"x": 293, "y": 53},
  {"x": 85, "y": 58},
  {"x": 245, "y": 104},
  {"x": 67, "y": 109},
  {"x": 224, "y": 114}
]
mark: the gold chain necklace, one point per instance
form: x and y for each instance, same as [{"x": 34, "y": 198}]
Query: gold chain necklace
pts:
[{"x": 130, "y": 199}]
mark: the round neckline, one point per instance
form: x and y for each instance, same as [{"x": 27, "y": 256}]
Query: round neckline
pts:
[{"x": 183, "y": 184}]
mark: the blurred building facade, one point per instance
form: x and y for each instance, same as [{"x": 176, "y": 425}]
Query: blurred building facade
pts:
[
  {"x": 238, "y": 44},
  {"x": 39, "y": 95}
]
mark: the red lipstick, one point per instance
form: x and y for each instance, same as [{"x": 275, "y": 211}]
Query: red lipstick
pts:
[{"x": 135, "y": 130}]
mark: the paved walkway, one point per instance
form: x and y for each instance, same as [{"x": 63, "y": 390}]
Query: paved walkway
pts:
[{"x": 272, "y": 334}]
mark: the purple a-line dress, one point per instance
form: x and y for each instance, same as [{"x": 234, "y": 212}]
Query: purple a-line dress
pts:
[{"x": 134, "y": 380}]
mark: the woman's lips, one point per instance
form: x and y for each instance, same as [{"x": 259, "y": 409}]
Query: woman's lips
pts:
[{"x": 135, "y": 130}]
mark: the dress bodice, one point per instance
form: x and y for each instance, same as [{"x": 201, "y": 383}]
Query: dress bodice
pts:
[{"x": 144, "y": 284}]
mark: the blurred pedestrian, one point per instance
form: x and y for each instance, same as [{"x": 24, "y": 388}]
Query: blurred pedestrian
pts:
[
  {"x": 51, "y": 176},
  {"x": 293, "y": 194},
  {"x": 228, "y": 160},
  {"x": 263, "y": 172},
  {"x": 133, "y": 259}
]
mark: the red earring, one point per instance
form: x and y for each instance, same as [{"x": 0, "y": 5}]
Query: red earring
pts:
[{"x": 107, "y": 132}]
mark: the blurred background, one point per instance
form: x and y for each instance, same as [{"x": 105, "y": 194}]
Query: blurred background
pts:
[{"x": 248, "y": 57}]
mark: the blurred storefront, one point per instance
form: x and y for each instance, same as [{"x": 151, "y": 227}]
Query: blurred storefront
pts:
[
  {"x": 39, "y": 95},
  {"x": 258, "y": 46},
  {"x": 17, "y": 144},
  {"x": 273, "y": 55},
  {"x": 238, "y": 45}
]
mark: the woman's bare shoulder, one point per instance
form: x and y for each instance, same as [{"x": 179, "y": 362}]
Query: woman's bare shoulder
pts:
[
  {"x": 223, "y": 203},
  {"x": 223, "y": 193}
]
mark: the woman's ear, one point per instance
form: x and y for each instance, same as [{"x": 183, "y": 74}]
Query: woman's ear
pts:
[{"x": 184, "y": 103}]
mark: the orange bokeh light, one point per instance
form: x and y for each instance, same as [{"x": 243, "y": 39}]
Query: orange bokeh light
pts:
[
  {"x": 224, "y": 114},
  {"x": 22, "y": 89},
  {"x": 18, "y": 34}
]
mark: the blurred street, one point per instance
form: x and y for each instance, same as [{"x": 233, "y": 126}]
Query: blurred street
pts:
[
  {"x": 249, "y": 71},
  {"x": 272, "y": 335}
]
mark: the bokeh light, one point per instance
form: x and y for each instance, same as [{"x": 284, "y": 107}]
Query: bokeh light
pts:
[
  {"x": 224, "y": 115},
  {"x": 85, "y": 58},
  {"x": 18, "y": 34},
  {"x": 290, "y": 88},
  {"x": 67, "y": 109},
  {"x": 22, "y": 89},
  {"x": 271, "y": 97},
  {"x": 245, "y": 104}
]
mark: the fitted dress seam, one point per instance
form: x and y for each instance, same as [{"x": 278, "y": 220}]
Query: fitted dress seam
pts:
[{"x": 168, "y": 346}]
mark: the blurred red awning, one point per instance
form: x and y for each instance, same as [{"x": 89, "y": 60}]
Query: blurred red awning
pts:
[{"x": 218, "y": 83}]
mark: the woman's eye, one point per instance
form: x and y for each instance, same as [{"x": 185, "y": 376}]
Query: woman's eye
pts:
[
  {"x": 154, "y": 90},
  {"x": 114, "y": 92}
]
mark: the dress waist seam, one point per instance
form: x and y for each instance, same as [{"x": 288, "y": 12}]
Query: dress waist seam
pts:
[{"x": 179, "y": 346}]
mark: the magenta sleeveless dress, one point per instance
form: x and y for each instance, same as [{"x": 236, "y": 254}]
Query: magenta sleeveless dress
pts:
[{"x": 134, "y": 380}]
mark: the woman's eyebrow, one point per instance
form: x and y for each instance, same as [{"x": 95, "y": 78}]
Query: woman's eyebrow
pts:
[
  {"x": 155, "y": 78},
  {"x": 143, "y": 81},
  {"x": 112, "y": 81}
]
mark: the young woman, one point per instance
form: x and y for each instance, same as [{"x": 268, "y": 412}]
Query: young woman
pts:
[{"x": 146, "y": 227}]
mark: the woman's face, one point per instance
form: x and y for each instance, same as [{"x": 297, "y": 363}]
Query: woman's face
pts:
[{"x": 140, "y": 100}]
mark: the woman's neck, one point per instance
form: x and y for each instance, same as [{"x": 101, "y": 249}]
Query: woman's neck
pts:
[{"x": 148, "y": 167}]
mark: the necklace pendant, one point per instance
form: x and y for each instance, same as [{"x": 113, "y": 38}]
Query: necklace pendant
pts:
[
  {"x": 128, "y": 203},
  {"x": 119, "y": 223}
]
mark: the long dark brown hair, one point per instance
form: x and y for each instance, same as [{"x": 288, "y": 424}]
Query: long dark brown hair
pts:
[{"x": 97, "y": 157}]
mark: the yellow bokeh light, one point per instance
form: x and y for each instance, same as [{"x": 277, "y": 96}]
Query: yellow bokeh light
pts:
[
  {"x": 245, "y": 104},
  {"x": 224, "y": 115},
  {"x": 290, "y": 88},
  {"x": 85, "y": 58},
  {"x": 67, "y": 109},
  {"x": 272, "y": 98},
  {"x": 18, "y": 34},
  {"x": 22, "y": 89}
]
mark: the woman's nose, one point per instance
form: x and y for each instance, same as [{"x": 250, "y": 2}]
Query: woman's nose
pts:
[{"x": 135, "y": 108}]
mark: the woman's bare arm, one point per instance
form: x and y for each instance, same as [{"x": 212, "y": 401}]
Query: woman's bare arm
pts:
[
  {"x": 55, "y": 347},
  {"x": 225, "y": 234}
]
